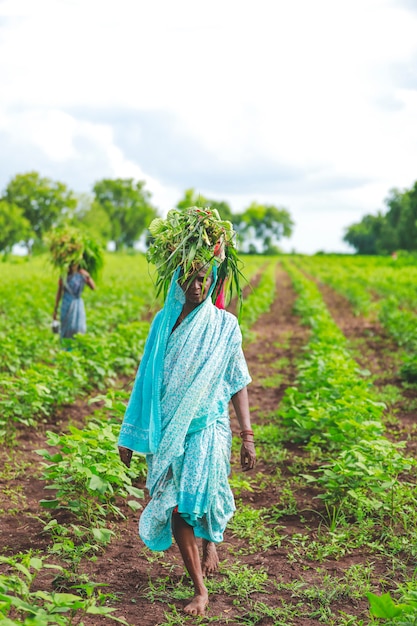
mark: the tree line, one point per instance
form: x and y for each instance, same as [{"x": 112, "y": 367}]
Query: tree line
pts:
[
  {"x": 390, "y": 231},
  {"x": 119, "y": 211}
]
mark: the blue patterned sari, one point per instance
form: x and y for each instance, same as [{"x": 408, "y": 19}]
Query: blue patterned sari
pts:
[
  {"x": 188, "y": 451},
  {"x": 73, "y": 319}
]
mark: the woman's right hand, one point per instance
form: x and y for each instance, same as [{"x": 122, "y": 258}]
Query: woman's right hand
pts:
[
  {"x": 247, "y": 455},
  {"x": 125, "y": 455}
]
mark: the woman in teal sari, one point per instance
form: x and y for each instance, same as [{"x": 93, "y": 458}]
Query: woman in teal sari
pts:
[{"x": 193, "y": 365}]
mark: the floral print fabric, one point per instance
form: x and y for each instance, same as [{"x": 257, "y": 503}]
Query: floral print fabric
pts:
[
  {"x": 191, "y": 466},
  {"x": 73, "y": 318},
  {"x": 203, "y": 368}
]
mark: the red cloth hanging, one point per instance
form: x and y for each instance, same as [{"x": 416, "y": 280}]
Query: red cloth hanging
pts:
[{"x": 221, "y": 297}]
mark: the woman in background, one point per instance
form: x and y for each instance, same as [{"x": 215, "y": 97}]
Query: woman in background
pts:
[{"x": 72, "y": 317}]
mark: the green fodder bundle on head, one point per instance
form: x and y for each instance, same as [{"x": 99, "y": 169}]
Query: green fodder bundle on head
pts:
[
  {"x": 193, "y": 238},
  {"x": 69, "y": 246}
]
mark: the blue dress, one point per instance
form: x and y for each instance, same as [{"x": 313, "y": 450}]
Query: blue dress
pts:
[
  {"x": 73, "y": 319},
  {"x": 203, "y": 366}
]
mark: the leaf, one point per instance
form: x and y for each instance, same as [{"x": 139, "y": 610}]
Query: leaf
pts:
[
  {"x": 99, "y": 610},
  {"x": 103, "y": 535},
  {"x": 104, "y": 610},
  {"x": 66, "y": 599},
  {"x": 309, "y": 478},
  {"x": 24, "y": 570},
  {"x": 36, "y": 563},
  {"x": 383, "y": 606},
  {"x": 98, "y": 484},
  {"x": 49, "y": 504},
  {"x": 134, "y": 491},
  {"x": 134, "y": 505}
]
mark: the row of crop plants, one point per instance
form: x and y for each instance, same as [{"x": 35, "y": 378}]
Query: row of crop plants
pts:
[
  {"x": 333, "y": 411},
  {"x": 27, "y": 297},
  {"x": 366, "y": 482},
  {"x": 381, "y": 287},
  {"x": 34, "y": 383},
  {"x": 259, "y": 300},
  {"x": 37, "y": 375},
  {"x": 125, "y": 293},
  {"x": 86, "y": 478},
  {"x": 327, "y": 376}
]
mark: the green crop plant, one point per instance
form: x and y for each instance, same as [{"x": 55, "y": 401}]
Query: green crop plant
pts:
[
  {"x": 259, "y": 300},
  {"x": 332, "y": 407},
  {"x": 255, "y": 528},
  {"x": 72, "y": 543},
  {"x": 21, "y": 604},
  {"x": 240, "y": 482},
  {"x": 36, "y": 392},
  {"x": 383, "y": 287},
  {"x": 87, "y": 474},
  {"x": 366, "y": 475}
]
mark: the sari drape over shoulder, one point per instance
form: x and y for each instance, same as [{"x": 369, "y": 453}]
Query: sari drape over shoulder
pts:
[{"x": 184, "y": 429}]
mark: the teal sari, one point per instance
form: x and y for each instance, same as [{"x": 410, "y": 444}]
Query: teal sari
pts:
[{"x": 188, "y": 451}]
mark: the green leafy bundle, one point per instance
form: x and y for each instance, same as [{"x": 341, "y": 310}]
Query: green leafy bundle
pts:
[
  {"x": 69, "y": 246},
  {"x": 194, "y": 238}
]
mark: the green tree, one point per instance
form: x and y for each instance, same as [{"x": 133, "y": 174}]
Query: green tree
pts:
[
  {"x": 14, "y": 227},
  {"x": 364, "y": 236},
  {"x": 128, "y": 207},
  {"x": 265, "y": 224},
  {"x": 192, "y": 198},
  {"x": 402, "y": 214},
  {"x": 385, "y": 233},
  {"x": 44, "y": 202},
  {"x": 91, "y": 216}
]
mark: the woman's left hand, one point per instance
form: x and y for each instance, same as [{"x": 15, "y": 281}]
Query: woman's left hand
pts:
[{"x": 247, "y": 455}]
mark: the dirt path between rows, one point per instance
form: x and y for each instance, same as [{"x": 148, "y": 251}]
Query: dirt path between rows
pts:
[
  {"x": 376, "y": 351},
  {"x": 130, "y": 569},
  {"x": 21, "y": 487},
  {"x": 143, "y": 583}
]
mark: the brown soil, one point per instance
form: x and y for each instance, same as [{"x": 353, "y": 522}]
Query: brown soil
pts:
[
  {"x": 376, "y": 351},
  {"x": 130, "y": 570},
  {"x": 124, "y": 566},
  {"x": 21, "y": 487}
]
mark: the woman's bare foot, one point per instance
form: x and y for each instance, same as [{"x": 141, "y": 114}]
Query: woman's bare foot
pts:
[
  {"x": 210, "y": 563},
  {"x": 198, "y": 604}
]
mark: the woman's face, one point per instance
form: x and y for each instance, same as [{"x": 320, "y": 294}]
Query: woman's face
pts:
[{"x": 197, "y": 287}]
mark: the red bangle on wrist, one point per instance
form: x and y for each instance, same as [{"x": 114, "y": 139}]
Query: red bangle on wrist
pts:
[{"x": 247, "y": 436}]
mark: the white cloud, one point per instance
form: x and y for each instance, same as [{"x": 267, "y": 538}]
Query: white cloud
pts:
[{"x": 316, "y": 87}]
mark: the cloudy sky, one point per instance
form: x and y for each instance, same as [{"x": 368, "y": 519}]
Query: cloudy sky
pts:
[{"x": 310, "y": 105}]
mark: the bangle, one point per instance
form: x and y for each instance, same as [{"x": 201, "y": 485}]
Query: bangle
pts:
[{"x": 246, "y": 432}]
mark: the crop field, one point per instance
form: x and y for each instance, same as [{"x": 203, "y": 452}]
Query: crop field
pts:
[{"x": 325, "y": 530}]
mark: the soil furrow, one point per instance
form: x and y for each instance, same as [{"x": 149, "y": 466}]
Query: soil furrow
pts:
[
  {"x": 377, "y": 352},
  {"x": 130, "y": 569}
]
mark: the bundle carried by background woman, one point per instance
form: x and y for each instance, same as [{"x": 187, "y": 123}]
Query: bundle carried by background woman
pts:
[{"x": 192, "y": 366}]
